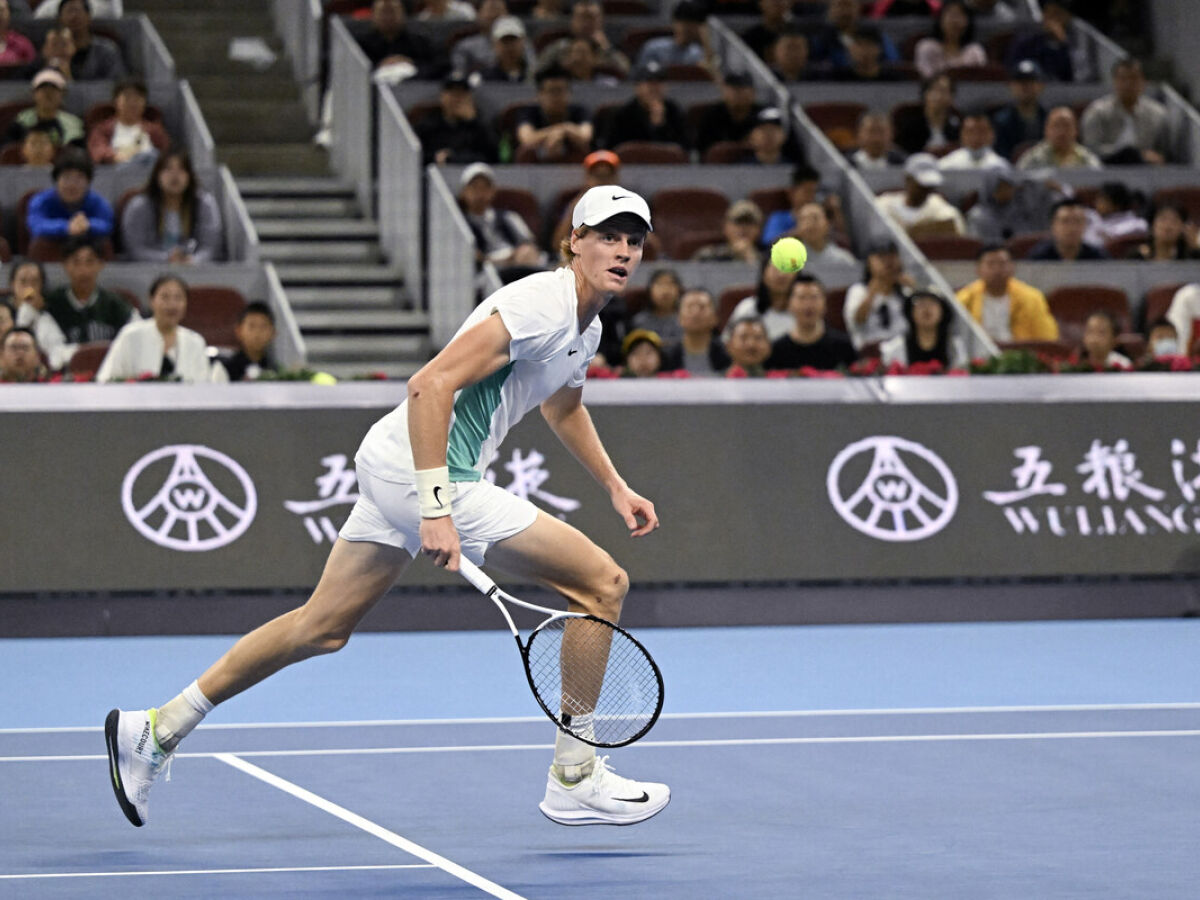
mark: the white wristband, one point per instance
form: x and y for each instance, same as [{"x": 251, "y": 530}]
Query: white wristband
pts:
[{"x": 434, "y": 492}]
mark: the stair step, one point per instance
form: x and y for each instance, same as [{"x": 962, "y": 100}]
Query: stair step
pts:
[
  {"x": 215, "y": 43},
  {"x": 347, "y": 371},
  {"x": 292, "y": 274},
  {"x": 342, "y": 321},
  {"x": 264, "y": 126},
  {"x": 191, "y": 61},
  {"x": 334, "y": 297},
  {"x": 302, "y": 208},
  {"x": 270, "y": 185},
  {"x": 313, "y": 251},
  {"x": 274, "y": 159},
  {"x": 209, "y": 88},
  {"x": 250, "y": 20},
  {"x": 345, "y": 348},
  {"x": 323, "y": 229},
  {"x": 226, "y": 8}
]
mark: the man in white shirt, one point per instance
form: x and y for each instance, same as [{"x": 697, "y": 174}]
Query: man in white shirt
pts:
[
  {"x": 919, "y": 209},
  {"x": 976, "y": 153}
]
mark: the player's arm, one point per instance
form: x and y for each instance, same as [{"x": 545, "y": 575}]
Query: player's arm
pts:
[
  {"x": 568, "y": 418},
  {"x": 470, "y": 357}
]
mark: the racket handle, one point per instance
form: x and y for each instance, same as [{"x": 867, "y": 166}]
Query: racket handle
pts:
[{"x": 475, "y": 575}]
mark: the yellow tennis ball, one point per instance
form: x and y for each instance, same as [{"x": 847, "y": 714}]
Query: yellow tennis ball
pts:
[
  {"x": 322, "y": 378},
  {"x": 789, "y": 254}
]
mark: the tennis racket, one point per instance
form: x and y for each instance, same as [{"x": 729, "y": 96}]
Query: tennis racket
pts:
[{"x": 592, "y": 678}]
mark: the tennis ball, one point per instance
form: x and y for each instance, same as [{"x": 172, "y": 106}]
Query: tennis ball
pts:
[
  {"x": 789, "y": 254},
  {"x": 322, "y": 378}
]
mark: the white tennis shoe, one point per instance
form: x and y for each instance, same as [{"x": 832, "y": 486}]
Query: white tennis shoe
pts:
[
  {"x": 603, "y": 798},
  {"x": 134, "y": 760}
]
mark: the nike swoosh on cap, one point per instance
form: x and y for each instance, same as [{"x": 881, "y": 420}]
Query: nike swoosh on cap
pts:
[{"x": 621, "y": 196}]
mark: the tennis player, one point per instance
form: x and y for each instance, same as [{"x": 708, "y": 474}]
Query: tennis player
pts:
[{"x": 421, "y": 490}]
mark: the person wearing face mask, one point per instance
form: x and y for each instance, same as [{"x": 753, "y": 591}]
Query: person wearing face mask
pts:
[{"x": 1161, "y": 340}]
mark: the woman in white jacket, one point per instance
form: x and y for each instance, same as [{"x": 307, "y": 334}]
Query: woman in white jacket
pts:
[{"x": 160, "y": 346}]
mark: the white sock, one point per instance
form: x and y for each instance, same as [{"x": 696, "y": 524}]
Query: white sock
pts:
[
  {"x": 177, "y": 717},
  {"x": 572, "y": 757}
]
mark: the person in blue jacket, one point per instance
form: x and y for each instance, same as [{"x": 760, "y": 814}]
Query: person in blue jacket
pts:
[{"x": 71, "y": 208}]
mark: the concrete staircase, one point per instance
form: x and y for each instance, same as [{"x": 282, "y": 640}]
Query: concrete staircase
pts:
[{"x": 350, "y": 304}]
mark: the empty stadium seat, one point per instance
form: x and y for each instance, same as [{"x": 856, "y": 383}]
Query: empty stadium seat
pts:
[
  {"x": 1188, "y": 197},
  {"x": 726, "y": 153},
  {"x": 212, "y": 310},
  {"x": 651, "y": 153},
  {"x": 46, "y": 249},
  {"x": 87, "y": 358},
  {"x": 1071, "y": 304},
  {"x": 1121, "y": 247},
  {"x": 839, "y": 121},
  {"x": 679, "y": 211},
  {"x": 1157, "y": 302},
  {"x": 949, "y": 246},
  {"x": 771, "y": 200},
  {"x": 687, "y": 246},
  {"x": 523, "y": 203},
  {"x": 731, "y": 297},
  {"x": 1019, "y": 245}
]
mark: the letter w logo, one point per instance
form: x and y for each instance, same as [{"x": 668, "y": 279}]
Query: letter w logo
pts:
[
  {"x": 188, "y": 498},
  {"x": 892, "y": 489}
]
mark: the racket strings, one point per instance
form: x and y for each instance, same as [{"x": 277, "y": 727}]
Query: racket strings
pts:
[{"x": 606, "y": 688}]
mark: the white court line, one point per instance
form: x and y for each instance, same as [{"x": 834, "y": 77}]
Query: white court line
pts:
[
  {"x": 446, "y": 865},
  {"x": 762, "y": 714},
  {"x": 32, "y": 875},
  {"x": 699, "y": 742}
]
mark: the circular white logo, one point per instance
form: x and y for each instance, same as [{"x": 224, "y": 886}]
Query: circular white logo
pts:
[
  {"x": 194, "y": 509},
  {"x": 892, "y": 489}
]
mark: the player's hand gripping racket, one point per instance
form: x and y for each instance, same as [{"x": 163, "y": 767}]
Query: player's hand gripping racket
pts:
[{"x": 593, "y": 679}]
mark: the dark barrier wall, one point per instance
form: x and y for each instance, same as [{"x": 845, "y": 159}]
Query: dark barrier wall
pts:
[{"x": 163, "y": 487}]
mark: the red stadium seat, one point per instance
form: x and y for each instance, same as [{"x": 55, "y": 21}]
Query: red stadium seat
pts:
[
  {"x": 213, "y": 310},
  {"x": 1072, "y": 304}
]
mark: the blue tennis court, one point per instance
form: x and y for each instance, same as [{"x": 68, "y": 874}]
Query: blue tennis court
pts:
[{"x": 1053, "y": 759}]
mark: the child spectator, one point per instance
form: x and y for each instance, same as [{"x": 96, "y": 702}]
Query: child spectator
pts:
[
  {"x": 699, "y": 351},
  {"x": 930, "y": 336},
  {"x": 1007, "y": 309},
  {"x": 20, "y": 361},
  {"x": 173, "y": 219},
  {"x": 874, "y": 308},
  {"x": 810, "y": 343},
  {"x": 80, "y": 311},
  {"x": 71, "y": 208},
  {"x": 255, "y": 331},
  {"x": 96, "y": 58},
  {"x": 48, "y": 88},
  {"x": 1099, "y": 348},
  {"x": 768, "y": 305},
  {"x": 37, "y": 147},
  {"x": 15, "y": 49},
  {"x": 127, "y": 134},
  {"x": 1161, "y": 340},
  {"x": 642, "y": 352},
  {"x": 160, "y": 346},
  {"x": 952, "y": 43}
]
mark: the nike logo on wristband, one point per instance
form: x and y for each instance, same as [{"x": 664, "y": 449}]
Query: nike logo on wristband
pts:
[
  {"x": 437, "y": 490},
  {"x": 642, "y": 799}
]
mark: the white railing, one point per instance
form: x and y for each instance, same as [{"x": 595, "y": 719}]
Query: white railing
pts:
[
  {"x": 298, "y": 24},
  {"x": 196, "y": 136},
  {"x": 350, "y": 113},
  {"x": 401, "y": 193},
  {"x": 156, "y": 59},
  {"x": 289, "y": 347},
  {"x": 451, "y": 286},
  {"x": 241, "y": 237}
]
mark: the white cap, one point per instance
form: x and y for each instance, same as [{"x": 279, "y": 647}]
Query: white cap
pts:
[
  {"x": 473, "y": 171},
  {"x": 507, "y": 26},
  {"x": 924, "y": 168},
  {"x": 608, "y": 200}
]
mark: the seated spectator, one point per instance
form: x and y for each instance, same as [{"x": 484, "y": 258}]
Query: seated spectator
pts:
[
  {"x": 446, "y": 11},
  {"x": 1162, "y": 340},
  {"x": 768, "y": 305},
  {"x": 96, "y": 58},
  {"x": 27, "y": 285},
  {"x": 105, "y": 9},
  {"x": 775, "y": 17},
  {"x": 688, "y": 44},
  {"x": 599, "y": 167},
  {"x": 769, "y": 141},
  {"x": 831, "y": 41},
  {"x": 509, "y": 51},
  {"x": 937, "y": 125},
  {"x": 812, "y": 227},
  {"x": 20, "y": 359},
  {"x": 583, "y": 63},
  {"x": 930, "y": 336},
  {"x": 809, "y": 343},
  {"x": 15, "y": 49},
  {"x": 37, "y": 147},
  {"x": 587, "y": 20},
  {"x": 919, "y": 209},
  {"x": 952, "y": 43},
  {"x": 866, "y": 62},
  {"x": 389, "y": 42},
  {"x": 1011, "y": 202},
  {"x": 874, "y": 307},
  {"x": 476, "y": 52},
  {"x": 255, "y": 330},
  {"x": 1183, "y": 313},
  {"x": 454, "y": 133},
  {"x": 742, "y": 229},
  {"x": 1052, "y": 46},
  {"x": 58, "y": 48},
  {"x": 733, "y": 118},
  {"x": 1022, "y": 121},
  {"x": 875, "y": 150},
  {"x": 1169, "y": 236},
  {"x": 501, "y": 235},
  {"x": 553, "y": 129},
  {"x": 80, "y": 311},
  {"x": 1068, "y": 223},
  {"x": 1059, "y": 148},
  {"x": 1007, "y": 309},
  {"x": 699, "y": 351},
  {"x": 661, "y": 316},
  {"x": 1099, "y": 350},
  {"x": 1127, "y": 127},
  {"x": 48, "y": 89},
  {"x": 805, "y": 189},
  {"x": 71, "y": 208},
  {"x": 650, "y": 115},
  {"x": 1113, "y": 216},
  {"x": 173, "y": 219},
  {"x": 128, "y": 134},
  {"x": 976, "y": 153},
  {"x": 788, "y": 56},
  {"x": 748, "y": 347},
  {"x": 8, "y": 318},
  {"x": 159, "y": 346},
  {"x": 642, "y": 352}
]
